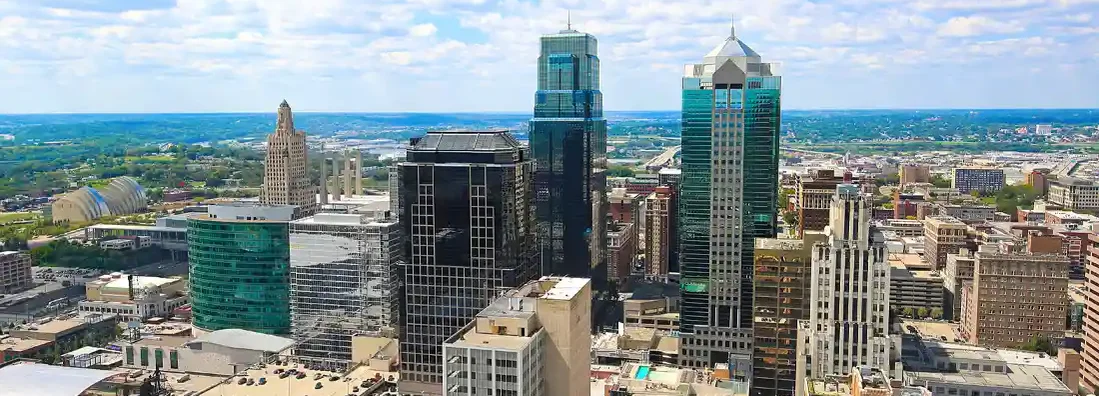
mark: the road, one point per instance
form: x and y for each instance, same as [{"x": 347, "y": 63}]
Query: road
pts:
[{"x": 664, "y": 159}]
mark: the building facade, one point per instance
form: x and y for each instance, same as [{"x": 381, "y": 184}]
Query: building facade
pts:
[
  {"x": 728, "y": 197},
  {"x": 814, "y": 198},
  {"x": 982, "y": 180},
  {"x": 240, "y": 268},
  {"x": 660, "y": 211},
  {"x": 942, "y": 235},
  {"x": 344, "y": 281},
  {"x": 1073, "y": 193},
  {"x": 532, "y": 341},
  {"x": 959, "y": 270},
  {"x": 849, "y": 324},
  {"x": 568, "y": 142},
  {"x": 1089, "y": 372},
  {"x": 467, "y": 211},
  {"x": 1016, "y": 297},
  {"x": 622, "y": 252},
  {"x": 782, "y": 290},
  {"x": 914, "y": 173},
  {"x": 286, "y": 169},
  {"x": 15, "y": 272}
]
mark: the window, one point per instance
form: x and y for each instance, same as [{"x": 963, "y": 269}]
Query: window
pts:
[
  {"x": 130, "y": 355},
  {"x": 144, "y": 356},
  {"x": 173, "y": 359},
  {"x": 159, "y": 355}
]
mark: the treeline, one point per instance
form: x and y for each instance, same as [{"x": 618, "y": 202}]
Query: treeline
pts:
[{"x": 62, "y": 253}]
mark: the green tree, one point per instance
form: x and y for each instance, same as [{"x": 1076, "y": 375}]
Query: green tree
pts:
[
  {"x": 921, "y": 312},
  {"x": 907, "y": 312},
  {"x": 936, "y": 313},
  {"x": 620, "y": 171},
  {"x": 1040, "y": 344},
  {"x": 790, "y": 218},
  {"x": 784, "y": 197},
  {"x": 940, "y": 181}
]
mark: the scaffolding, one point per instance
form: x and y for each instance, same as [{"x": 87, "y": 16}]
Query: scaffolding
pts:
[{"x": 344, "y": 282}]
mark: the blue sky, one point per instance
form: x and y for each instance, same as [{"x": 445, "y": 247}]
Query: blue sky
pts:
[{"x": 479, "y": 55}]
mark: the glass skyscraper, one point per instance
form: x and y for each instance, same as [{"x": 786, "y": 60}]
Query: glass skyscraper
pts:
[
  {"x": 728, "y": 195},
  {"x": 568, "y": 140}
]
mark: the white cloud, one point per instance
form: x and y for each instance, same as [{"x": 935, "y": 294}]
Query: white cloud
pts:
[
  {"x": 422, "y": 30},
  {"x": 976, "y": 26}
]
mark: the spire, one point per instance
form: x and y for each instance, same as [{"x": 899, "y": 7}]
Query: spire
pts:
[
  {"x": 568, "y": 19},
  {"x": 284, "y": 104},
  {"x": 732, "y": 26}
]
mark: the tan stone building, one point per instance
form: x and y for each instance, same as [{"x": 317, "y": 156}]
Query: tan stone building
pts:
[
  {"x": 943, "y": 235},
  {"x": 534, "y": 340},
  {"x": 913, "y": 173},
  {"x": 1015, "y": 297},
  {"x": 286, "y": 171},
  {"x": 1090, "y": 361},
  {"x": 659, "y": 215},
  {"x": 15, "y": 271}
]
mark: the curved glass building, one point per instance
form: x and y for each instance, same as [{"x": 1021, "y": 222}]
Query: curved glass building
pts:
[{"x": 239, "y": 269}]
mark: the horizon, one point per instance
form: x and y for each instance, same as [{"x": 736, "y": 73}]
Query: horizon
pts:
[
  {"x": 297, "y": 112},
  {"x": 479, "y": 56}
]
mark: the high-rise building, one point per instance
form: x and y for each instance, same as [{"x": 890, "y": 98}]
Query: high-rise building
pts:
[
  {"x": 958, "y": 272},
  {"x": 1015, "y": 297},
  {"x": 467, "y": 211},
  {"x": 849, "y": 322},
  {"x": 659, "y": 217},
  {"x": 814, "y": 197},
  {"x": 568, "y": 142},
  {"x": 728, "y": 197},
  {"x": 942, "y": 235},
  {"x": 782, "y": 287},
  {"x": 983, "y": 180},
  {"x": 1090, "y": 359},
  {"x": 533, "y": 340},
  {"x": 914, "y": 173},
  {"x": 286, "y": 171},
  {"x": 240, "y": 268},
  {"x": 1038, "y": 179},
  {"x": 344, "y": 281},
  {"x": 622, "y": 251}
]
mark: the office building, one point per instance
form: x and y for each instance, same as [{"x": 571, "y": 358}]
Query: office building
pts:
[
  {"x": 982, "y": 180},
  {"x": 1090, "y": 359},
  {"x": 622, "y": 252},
  {"x": 134, "y": 298},
  {"x": 901, "y": 227},
  {"x": 1015, "y": 297},
  {"x": 728, "y": 198},
  {"x": 1073, "y": 193},
  {"x": 914, "y": 285},
  {"x": 1039, "y": 180},
  {"x": 814, "y": 198},
  {"x": 344, "y": 281},
  {"x": 286, "y": 170},
  {"x": 122, "y": 196},
  {"x": 240, "y": 268},
  {"x": 627, "y": 207},
  {"x": 15, "y": 272},
  {"x": 914, "y": 173},
  {"x": 849, "y": 324},
  {"x": 534, "y": 340},
  {"x": 660, "y": 217},
  {"x": 942, "y": 235},
  {"x": 967, "y": 213},
  {"x": 782, "y": 290},
  {"x": 568, "y": 143},
  {"x": 958, "y": 272},
  {"x": 467, "y": 211}
]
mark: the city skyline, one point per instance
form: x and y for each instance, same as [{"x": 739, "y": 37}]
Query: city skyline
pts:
[{"x": 218, "y": 56}]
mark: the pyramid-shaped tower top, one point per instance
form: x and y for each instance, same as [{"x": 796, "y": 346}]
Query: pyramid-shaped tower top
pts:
[
  {"x": 284, "y": 104},
  {"x": 285, "y": 122},
  {"x": 732, "y": 47}
]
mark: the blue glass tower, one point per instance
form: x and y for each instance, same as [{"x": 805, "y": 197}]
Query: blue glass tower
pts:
[
  {"x": 568, "y": 136},
  {"x": 728, "y": 195}
]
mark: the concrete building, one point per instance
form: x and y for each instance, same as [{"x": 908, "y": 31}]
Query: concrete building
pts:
[
  {"x": 660, "y": 210},
  {"x": 64, "y": 328},
  {"x": 967, "y": 213},
  {"x": 914, "y": 173},
  {"x": 782, "y": 282},
  {"x": 850, "y": 275},
  {"x": 169, "y": 232},
  {"x": 943, "y": 235},
  {"x": 134, "y": 298},
  {"x": 958, "y": 271},
  {"x": 983, "y": 180},
  {"x": 814, "y": 197},
  {"x": 286, "y": 169},
  {"x": 1015, "y": 297},
  {"x": 913, "y": 284},
  {"x": 15, "y": 272},
  {"x": 948, "y": 368},
  {"x": 1073, "y": 193},
  {"x": 135, "y": 242},
  {"x": 222, "y": 352},
  {"x": 345, "y": 279},
  {"x": 1090, "y": 358},
  {"x": 531, "y": 341},
  {"x": 627, "y": 207},
  {"x": 901, "y": 227},
  {"x": 468, "y": 213},
  {"x": 653, "y": 305},
  {"x": 622, "y": 252}
]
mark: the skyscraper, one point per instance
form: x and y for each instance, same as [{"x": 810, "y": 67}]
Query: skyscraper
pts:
[
  {"x": 849, "y": 319},
  {"x": 568, "y": 136},
  {"x": 285, "y": 173},
  {"x": 728, "y": 195},
  {"x": 467, "y": 211}
]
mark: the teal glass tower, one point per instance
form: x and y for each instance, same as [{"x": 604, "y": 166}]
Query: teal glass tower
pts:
[
  {"x": 568, "y": 140},
  {"x": 728, "y": 198}
]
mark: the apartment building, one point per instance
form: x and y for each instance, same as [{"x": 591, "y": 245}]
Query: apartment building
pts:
[
  {"x": 982, "y": 180},
  {"x": 15, "y": 271},
  {"x": 959, "y": 271},
  {"x": 1090, "y": 359},
  {"x": 660, "y": 210},
  {"x": 943, "y": 235},
  {"x": 814, "y": 198},
  {"x": 1073, "y": 193}
]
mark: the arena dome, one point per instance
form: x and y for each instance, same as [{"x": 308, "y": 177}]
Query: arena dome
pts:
[{"x": 121, "y": 197}]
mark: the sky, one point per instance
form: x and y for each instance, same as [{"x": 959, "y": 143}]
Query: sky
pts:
[{"x": 88, "y": 56}]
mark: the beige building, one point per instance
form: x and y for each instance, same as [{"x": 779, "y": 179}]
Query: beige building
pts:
[
  {"x": 1015, "y": 296},
  {"x": 15, "y": 272},
  {"x": 1073, "y": 193},
  {"x": 912, "y": 173},
  {"x": 134, "y": 297},
  {"x": 286, "y": 171},
  {"x": 943, "y": 235},
  {"x": 534, "y": 340},
  {"x": 959, "y": 270},
  {"x": 659, "y": 211}
]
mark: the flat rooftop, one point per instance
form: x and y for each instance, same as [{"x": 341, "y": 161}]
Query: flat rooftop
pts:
[
  {"x": 291, "y": 386},
  {"x": 565, "y": 289},
  {"x": 930, "y": 329},
  {"x": 908, "y": 260},
  {"x": 165, "y": 341},
  {"x": 1018, "y": 377},
  {"x": 20, "y": 344},
  {"x": 57, "y": 326},
  {"x": 472, "y": 339},
  {"x": 1008, "y": 356}
]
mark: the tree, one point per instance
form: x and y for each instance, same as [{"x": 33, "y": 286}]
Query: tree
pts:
[
  {"x": 790, "y": 218},
  {"x": 940, "y": 181},
  {"x": 936, "y": 313},
  {"x": 620, "y": 171},
  {"x": 784, "y": 197},
  {"x": 907, "y": 311},
  {"x": 1040, "y": 344},
  {"x": 921, "y": 312}
]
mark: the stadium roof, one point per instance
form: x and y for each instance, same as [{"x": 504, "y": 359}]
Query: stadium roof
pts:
[{"x": 45, "y": 380}]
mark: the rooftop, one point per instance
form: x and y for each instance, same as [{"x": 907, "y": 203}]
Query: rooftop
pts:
[
  {"x": 291, "y": 386},
  {"x": 44, "y": 379},
  {"x": 244, "y": 339},
  {"x": 140, "y": 282},
  {"x": 779, "y": 244},
  {"x": 908, "y": 260},
  {"x": 20, "y": 345},
  {"x": 1018, "y": 377},
  {"x": 58, "y": 326},
  {"x": 465, "y": 140},
  {"x": 470, "y": 338}
]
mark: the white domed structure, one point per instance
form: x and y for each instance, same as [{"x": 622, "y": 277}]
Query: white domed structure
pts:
[{"x": 122, "y": 196}]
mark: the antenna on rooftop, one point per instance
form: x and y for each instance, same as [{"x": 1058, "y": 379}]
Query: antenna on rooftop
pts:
[
  {"x": 732, "y": 25},
  {"x": 568, "y": 19}
]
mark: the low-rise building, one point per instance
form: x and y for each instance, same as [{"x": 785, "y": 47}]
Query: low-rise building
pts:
[
  {"x": 967, "y": 213},
  {"x": 653, "y": 305},
  {"x": 221, "y": 352},
  {"x": 15, "y": 272},
  {"x": 862, "y": 381},
  {"x": 901, "y": 227},
  {"x": 913, "y": 285},
  {"x": 66, "y": 327},
  {"x": 134, "y": 298},
  {"x": 1015, "y": 379},
  {"x": 1073, "y": 193},
  {"x": 127, "y": 243}
]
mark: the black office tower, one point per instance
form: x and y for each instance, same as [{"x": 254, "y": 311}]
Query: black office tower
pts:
[{"x": 467, "y": 210}]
